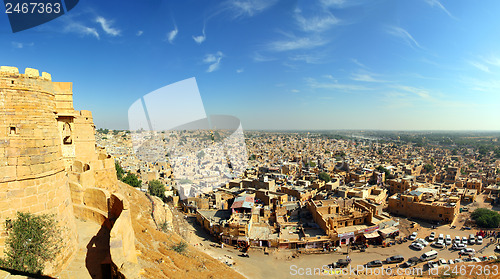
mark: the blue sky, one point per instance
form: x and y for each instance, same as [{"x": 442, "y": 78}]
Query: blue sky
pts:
[{"x": 329, "y": 64}]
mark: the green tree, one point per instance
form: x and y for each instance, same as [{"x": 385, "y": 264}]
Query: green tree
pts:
[
  {"x": 324, "y": 176},
  {"x": 32, "y": 241},
  {"x": 156, "y": 188},
  {"x": 119, "y": 170},
  {"x": 132, "y": 180},
  {"x": 428, "y": 167},
  {"x": 252, "y": 157},
  {"x": 486, "y": 218}
]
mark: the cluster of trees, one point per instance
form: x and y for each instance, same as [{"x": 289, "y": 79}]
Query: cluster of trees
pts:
[
  {"x": 129, "y": 178},
  {"x": 486, "y": 218},
  {"x": 156, "y": 188}
]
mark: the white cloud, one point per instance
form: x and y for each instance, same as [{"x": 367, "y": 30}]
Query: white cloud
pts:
[
  {"x": 422, "y": 93},
  {"x": 241, "y": 8},
  {"x": 214, "y": 61},
  {"x": 172, "y": 34},
  {"x": 335, "y": 3},
  {"x": 257, "y": 57},
  {"x": 22, "y": 45},
  {"x": 296, "y": 43},
  {"x": 106, "y": 26},
  {"x": 315, "y": 23},
  {"x": 200, "y": 39},
  {"x": 295, "y": 91},
  {"x": 436, "y": 3},
  {"x": 73, "y": 26},
  {"x": 313, "y": 83},
  {"x": 139, "y": 33},
  {"x": 366, "y": 77},
  {"x": 239, "y": 71},
  {"x": 480, "y": 66},
  {"x": 308, "y": 58},
  {"x": 403, "y": 34}
]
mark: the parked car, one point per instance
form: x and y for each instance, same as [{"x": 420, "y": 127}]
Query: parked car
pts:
[
  {"x": 483, "y": 258},
  {"x": 432, "y": 264},
  {"x": 457, "y": 239},
  {"x": 437, "y": 244},
  {"x": 450, "y": 261},
  {"x": 413, "y": 236},
  {"x": 395, "y": 259},
  {"x": 464, "y": 240},
  {"x": 441, "y": 237},
  {"x": 458, "y": 260},
  {"x": 427, "y": 256},
  {"x": 458, "y": 246},
  {"x": 497, "y": 247},
  {"x": 375, "y": 263},
  {"x": 442, "y": 262},
  {"x": 422, "y": 241},
  {"x": 479, "y": 240},
  {"x": 466, "y": 228},
  {"x": 472, "y": 239},
  {"x": 411, "y": 262},
  {"x": 417, "y": 246},
  {"x": 447, "y": 240},
  {"x": 467, "y": 251},
  {"x": 493, "y": 257},
  {"x": 475, "y": 260},
  {"x": 432, "y": 236}
]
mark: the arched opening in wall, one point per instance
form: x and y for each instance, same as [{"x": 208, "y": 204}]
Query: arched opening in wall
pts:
[
  {"x": 67, "y": 138},
  {"x": 12, "y": 130},
  {"x": 86, "y": 167}
]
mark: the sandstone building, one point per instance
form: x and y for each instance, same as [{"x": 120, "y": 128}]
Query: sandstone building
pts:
[{"x": 49, "y": 163}]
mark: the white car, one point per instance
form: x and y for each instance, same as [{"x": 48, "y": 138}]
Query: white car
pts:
[
  {"x": 441, "y": 237},
  {"x": 467, "y": 251},
  {"x": 413, "y": 236},
  {"x": 458, "y": 246},
  {"x": 442, "y": 262},
  {"x": 417, "y": 246},
  {"x": 450, "y": 261},
  {"x": 447, "y": 240},
  {"x": 457, "y": 239},
  {"x": 438, "y": 244},
  {"x": 479, "y": 240},
  {"x": 464, "y": 240},
  {"x": 422, "y": 241},
  {"x": 475, "y": 260},
  {"x": 432, "y": 236}
]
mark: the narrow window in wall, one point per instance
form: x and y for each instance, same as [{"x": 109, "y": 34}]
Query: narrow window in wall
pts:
[{"x": 12, "y": 130}]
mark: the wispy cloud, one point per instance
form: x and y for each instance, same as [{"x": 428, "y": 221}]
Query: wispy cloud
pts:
[
  {"x": 308, "y": 58},
  {"x": 333, "y": 3},
  {"x": 214, "y": 61},
  {"x": 172, "y": 34},
  {"x": 480, "y": 66},
  {"x": 294, "y": 43},
  {"x": 315, "y": 23},
  {"x": 73, "y": 26},
  {"x": 257, "y": 57},
  {"x": 200, "y": 39},
  {"x": 422, "y": 93},
  {"x": 355, "y": 61},
  {"x": 403, "y": 34},
  {"x": 106, "y": 26},
  {"x": 366, "y": 77},
  {"x": 242, "y": 8},
  {"x": 313, "y": 83},
  {"x": 436, "y": 3},
  {"x": 295, "y": 91},
  {"x": 239, "y": 71},
  {"x": 22, "y": 45},
  {"x": 139, "y": 33}
]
